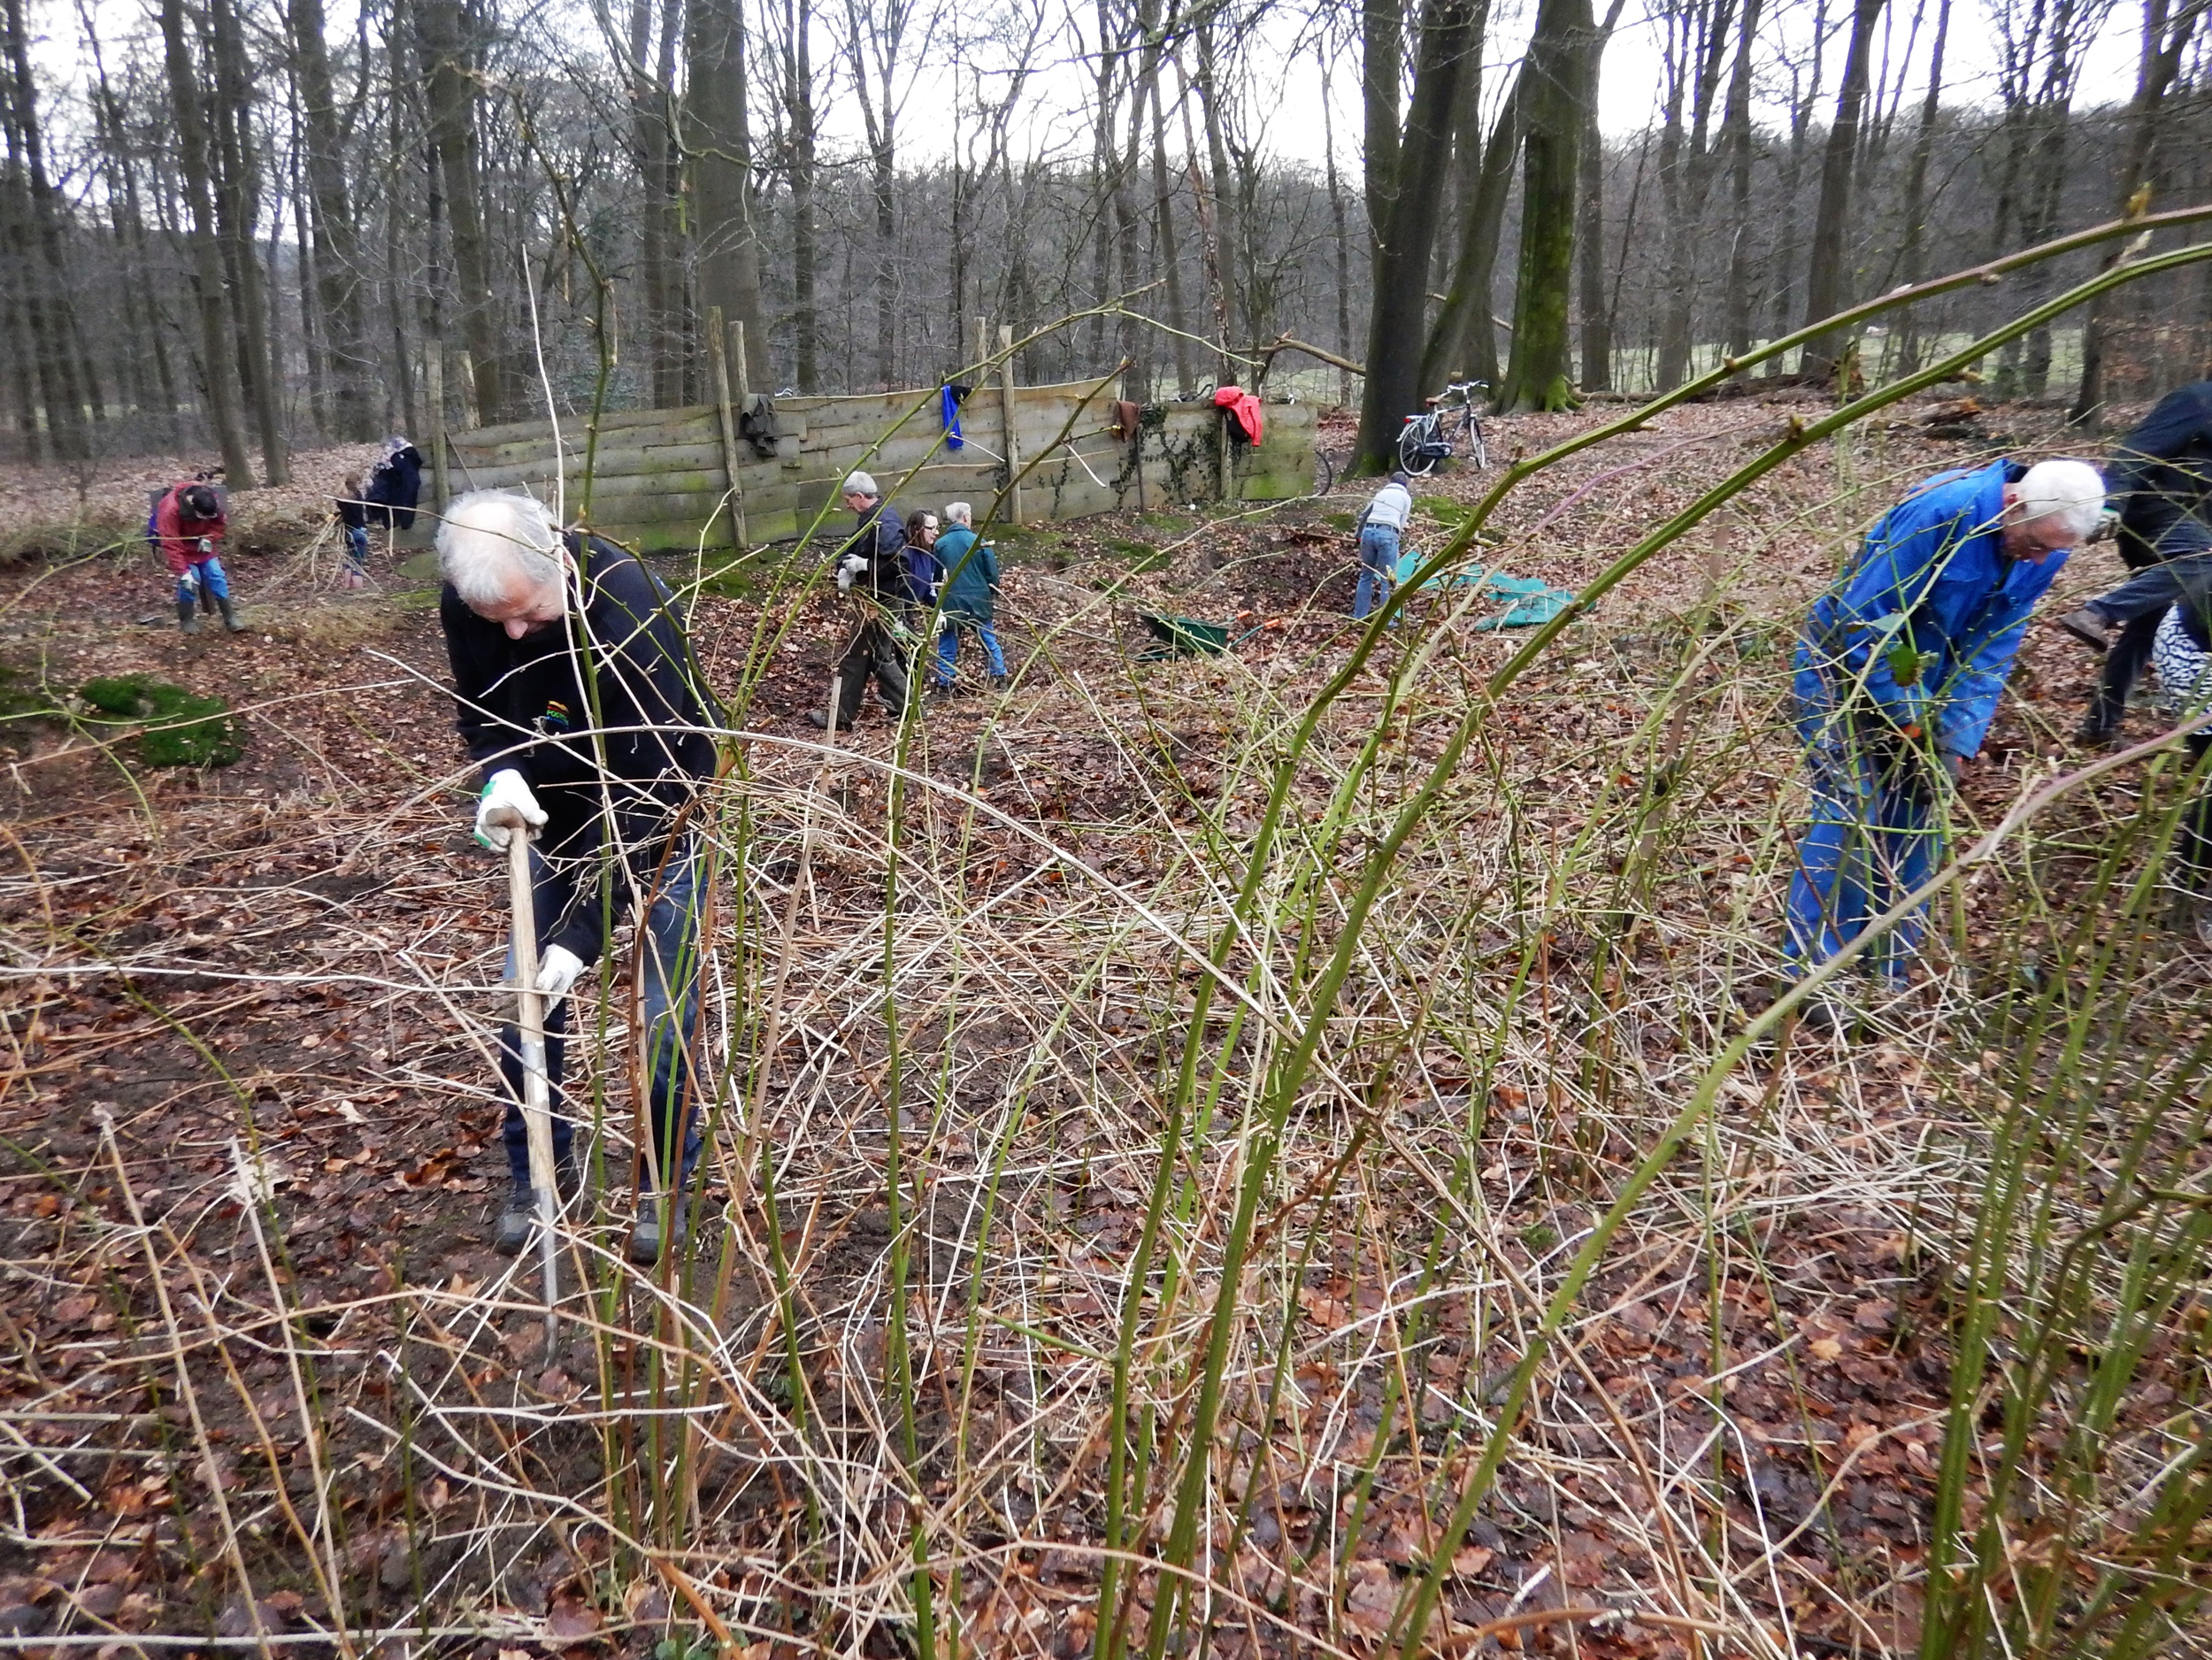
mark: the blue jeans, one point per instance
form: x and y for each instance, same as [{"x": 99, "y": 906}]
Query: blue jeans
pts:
[
  {"x": 948, "y": 647},
  {"x": 358, "y": 546},
  {"x": 210, "y": 577},
  {"x": 669, "y": 997},
  {"x": 1377, "y": 568},
  {"x": 1875, "y": 835}
]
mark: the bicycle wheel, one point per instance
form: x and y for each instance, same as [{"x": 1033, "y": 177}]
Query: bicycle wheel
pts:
[
  {"x": 1325, "y": 468},
  {"x": 1478, "y": 450},
  {"x": 1413, "y": 455}
]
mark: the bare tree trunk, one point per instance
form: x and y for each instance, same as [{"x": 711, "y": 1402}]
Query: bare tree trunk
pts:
[
  {"x": 1395, "y": 338},
  {"x": 238, "y": 208},
  {"x": 2166, "y": 34},
  {"x": 1705, "y": 52},
  {"x": 337, "y": 243},
  {"x": 1341, "y": 235},
  {"x": 1208, "y": 240},
  {"x": 1557, "y": 85},
  {"x": 1597, "y": 313},
  {"x": 447, "y": 60},
  {"x": 35, "y": 233},
  {"x": 1792, "y": 176},
  {"x": 398, "y": 295},
  {"x": 1170, "y": 261},
  {"x": 1462, "y": 339},
  {"x": 217, "y": 361},
  {"x": 798, "y": 94},
  {"x": 1234, "y": 313},
  {"x": 1736, "y": 141},
  {"x": 1827, "y": 289}
]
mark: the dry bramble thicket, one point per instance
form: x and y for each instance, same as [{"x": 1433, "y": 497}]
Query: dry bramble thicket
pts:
[{"x": 1145, "y": 1215}]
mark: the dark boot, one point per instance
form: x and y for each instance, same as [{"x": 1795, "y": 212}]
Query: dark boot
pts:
[
  {"x": 648, "y": 1238},
  {"x": 186, "y": 620},
  {"x": 517, "y": 1219},
  {"x": 519, "y": 1215},
  {"x": 230, "y": 616}
]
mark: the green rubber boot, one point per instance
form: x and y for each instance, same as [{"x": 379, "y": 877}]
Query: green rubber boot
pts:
[{"x": 186, "y": 620}]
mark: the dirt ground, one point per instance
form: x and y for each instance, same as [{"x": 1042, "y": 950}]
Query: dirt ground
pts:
[{"x": 252, "y": 1334}]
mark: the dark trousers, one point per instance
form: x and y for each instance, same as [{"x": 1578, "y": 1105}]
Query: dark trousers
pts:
[
  {"x": 668, "y": 992},
  {"x": 875, "y": 651},
  {"x": 2184, "y": 552}
]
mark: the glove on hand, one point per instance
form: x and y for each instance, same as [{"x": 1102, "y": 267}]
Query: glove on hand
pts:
[
  {"x": 558, "y": 970},
  {"x": 506, "y": 806},
  {"x": 2107, "y": 526},
  {"x": 850, "y": 569},
  {"x": 1952, "y": 761},
  {"x": 190, "y": 580}
]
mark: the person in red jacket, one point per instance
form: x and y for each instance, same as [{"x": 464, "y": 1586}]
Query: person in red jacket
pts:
[{"x": 188, "y": 527}]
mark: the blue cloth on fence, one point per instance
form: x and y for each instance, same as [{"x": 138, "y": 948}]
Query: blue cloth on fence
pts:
[
  {"x": 1534, "y": 604},
  {"x": 949, "y": 405}
]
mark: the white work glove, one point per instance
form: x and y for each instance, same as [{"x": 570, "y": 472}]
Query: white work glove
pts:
[
  {"x": 505, "y": 806},
  {"x": 850, "y": 569},
  {"x": 2107, "y": 526},
  {"x": 558, "y": 970},
  {"x": 207, "y": 547},
  {"x": 191, "y": 578}
]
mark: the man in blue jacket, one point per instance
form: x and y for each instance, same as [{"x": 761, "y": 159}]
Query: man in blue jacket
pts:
[{"x": 1897, "y": 677}]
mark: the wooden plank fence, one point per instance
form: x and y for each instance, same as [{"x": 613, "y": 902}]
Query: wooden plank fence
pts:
[{"x": 660, "y": 479}]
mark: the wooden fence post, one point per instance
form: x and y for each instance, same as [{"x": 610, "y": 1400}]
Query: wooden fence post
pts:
[
  {"x": 743, "y": 376},
  {"x": 721, "y": 365},
  {"x": 1013, "y": 447},
  {"x": 434, "y": 370}
]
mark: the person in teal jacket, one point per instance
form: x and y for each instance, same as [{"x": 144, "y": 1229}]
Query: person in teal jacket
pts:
[
  {"x": 971, "y": 594},
  {"x": 1897, "y": 676}
]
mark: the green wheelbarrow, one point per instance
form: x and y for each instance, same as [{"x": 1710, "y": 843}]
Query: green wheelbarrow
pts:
[{"x": 1186, "y": 637}]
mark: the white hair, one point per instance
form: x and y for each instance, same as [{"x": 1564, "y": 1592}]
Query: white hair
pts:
[
  {"x": 489, "y": 538},
  {"x": 960, "y": 512},
  {"x": 2071, "y": 492}
]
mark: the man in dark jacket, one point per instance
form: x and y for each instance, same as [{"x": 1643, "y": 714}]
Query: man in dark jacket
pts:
[
  {"x": 872, "y": 567},
  {"x": 575, "y": 694},
  {"x": 2161, "y": 478}
]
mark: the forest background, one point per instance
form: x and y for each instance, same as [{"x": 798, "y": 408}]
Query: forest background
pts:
[{"x": 246, "y": 225}]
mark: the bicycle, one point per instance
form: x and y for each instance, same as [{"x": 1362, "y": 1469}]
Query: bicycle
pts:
[{"x": 1427, "y": 438}]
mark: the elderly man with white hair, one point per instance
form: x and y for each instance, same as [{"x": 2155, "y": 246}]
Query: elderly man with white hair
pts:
[
  {"x": 576, "y": 695},
  {"x": 1897, "y": 678}
]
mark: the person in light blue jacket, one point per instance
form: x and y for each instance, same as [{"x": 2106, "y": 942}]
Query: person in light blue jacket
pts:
[{"x": 1897, "y": 676}]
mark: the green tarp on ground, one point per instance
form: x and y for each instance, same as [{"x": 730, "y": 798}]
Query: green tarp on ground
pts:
[{"x": 1532, "y": 602}]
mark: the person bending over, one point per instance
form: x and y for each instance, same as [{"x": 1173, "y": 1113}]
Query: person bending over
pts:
[
  {"x": 576, "y": 695},
  {"x": 1897, "y": 675}
]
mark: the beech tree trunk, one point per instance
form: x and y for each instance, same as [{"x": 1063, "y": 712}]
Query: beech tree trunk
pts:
[
  {"x": 1407, "y": 234},
  {"x": 1555, "y": 92},
  {"x": 1462, "y": 342}
]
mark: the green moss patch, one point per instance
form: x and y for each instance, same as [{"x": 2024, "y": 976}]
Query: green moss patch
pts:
[{"x": 182, "y": 727}]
